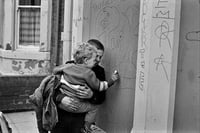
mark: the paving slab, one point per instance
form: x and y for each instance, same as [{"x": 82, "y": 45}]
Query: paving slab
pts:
[{"x": 22, "y": 122}]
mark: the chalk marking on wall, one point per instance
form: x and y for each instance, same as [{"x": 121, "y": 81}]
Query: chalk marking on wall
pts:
[
  {"x": 163, "y": 15},
  {"x": 162, "y": 32},
  {"x": 193, "y": 36},
  {"x": 101, "y": 4},
  {"x": 129, "y": 14},
  {"x": 142, "y": 48},
  {"x": 161, "y": 62},
  {"x": 30, "y": 66},
  {"x": 118, "y": 27},
  {"x": 107, "y": 20}
]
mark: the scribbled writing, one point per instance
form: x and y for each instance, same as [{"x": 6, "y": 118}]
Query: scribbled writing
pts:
[
  {"x": 161, "y": 62},
  {"x": 162, "y": 33},
  {"x": 107, "y": 20},
  {"x": 141, "y": 80},
  {"x": 116, "y": 28},
  {"x": 163, "y": 22},
  {"x": 142, "y": 46},
  {"x": 99, "y": 5}
]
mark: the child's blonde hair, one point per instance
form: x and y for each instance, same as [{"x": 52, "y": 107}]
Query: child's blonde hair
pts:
[{"x": 82, "y": 52}]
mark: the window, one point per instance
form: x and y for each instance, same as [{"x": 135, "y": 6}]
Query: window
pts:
[
  {"x": 29, "y": 22},
  {"x": 26, "y": 24},
  {"x": 32, "y": 25},
  {"x": 25, "y": 31},
  {"x": 28, "y": 14}
]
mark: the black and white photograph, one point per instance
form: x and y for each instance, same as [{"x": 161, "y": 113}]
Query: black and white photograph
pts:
[{"x": 99, "y": 66}]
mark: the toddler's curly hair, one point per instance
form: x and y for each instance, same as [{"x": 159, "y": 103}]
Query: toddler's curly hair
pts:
[{"x": 83, "y": 51}]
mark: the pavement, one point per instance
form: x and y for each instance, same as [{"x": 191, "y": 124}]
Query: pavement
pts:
[
  {"x": 25, "y": 122},
  {"x": 22, "y": 122}
]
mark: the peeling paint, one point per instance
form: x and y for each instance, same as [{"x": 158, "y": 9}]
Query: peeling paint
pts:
[
  {"x": 30, "y": 64},
  {"x": 42, "y": 47},
  {"x": 8, "y": 46},
  {"x": 16, "y": 65},
  {"x": 24, "y": 67}
]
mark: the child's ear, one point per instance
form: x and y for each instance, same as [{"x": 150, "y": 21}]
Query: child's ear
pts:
[{"x": 85, "y": 60}]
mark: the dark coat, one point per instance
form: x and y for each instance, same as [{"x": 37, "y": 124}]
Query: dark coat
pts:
[
  {"x": 98, "y": 96},
  {"x": 42, "y": 98}
]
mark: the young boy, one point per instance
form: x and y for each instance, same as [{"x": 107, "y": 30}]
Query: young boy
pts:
[{"x": 80, "y": 74}]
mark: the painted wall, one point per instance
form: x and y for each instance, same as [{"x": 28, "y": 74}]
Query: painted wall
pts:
[
  {"x": 115, "y": 23},
  {"x": 187, "y": 106}
]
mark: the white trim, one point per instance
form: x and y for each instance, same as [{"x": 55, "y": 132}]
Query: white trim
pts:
[
  {"x": 156, "y": 67},
  {"x": 77, "y": 23},
  {"x": 67, "y": 34},
  {"x": 45, "y": 23},
  {"x": 20, "y": 6},
  {"x": 17, "y": 7},
  {"x": 24, "y": 54},
  {"x": 28, "y": 48},
  {"x": 11, "y": 24}
]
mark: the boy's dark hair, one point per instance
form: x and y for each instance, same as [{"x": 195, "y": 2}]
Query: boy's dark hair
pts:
[{"x": 96, "y": 43}]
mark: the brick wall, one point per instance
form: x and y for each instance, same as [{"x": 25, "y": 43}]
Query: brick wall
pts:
[{"x": 14, "y": 92}]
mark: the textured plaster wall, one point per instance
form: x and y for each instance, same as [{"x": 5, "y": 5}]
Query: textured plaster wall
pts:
[{"x": 23, "y": 67}]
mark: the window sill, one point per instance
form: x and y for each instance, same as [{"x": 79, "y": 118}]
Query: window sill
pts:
[{"x": 24, "y": 54}]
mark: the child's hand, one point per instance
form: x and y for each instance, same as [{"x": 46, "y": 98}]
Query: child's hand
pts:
[
  {"x": 68, "y": 103},
  {"x": 115, "y": 76}
]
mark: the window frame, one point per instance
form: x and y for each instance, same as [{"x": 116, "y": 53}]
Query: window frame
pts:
[
  {"x": 17, "y": 27},
  {"x": 45, "y": 24},
  {"x": 9, "y": 50}
]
